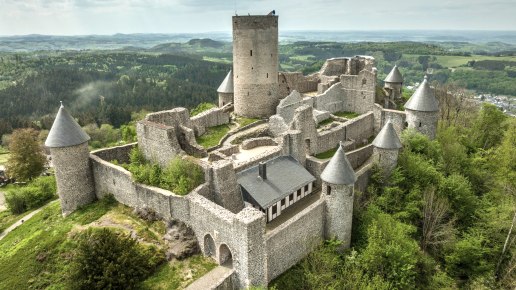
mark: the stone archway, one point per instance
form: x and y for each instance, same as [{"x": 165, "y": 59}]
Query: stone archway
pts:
[
  {"x": 225, "y": 256},
  {"x": 209, "y": 246}
]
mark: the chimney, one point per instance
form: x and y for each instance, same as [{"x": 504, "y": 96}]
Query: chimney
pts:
[{"x": 262, "y": 170}]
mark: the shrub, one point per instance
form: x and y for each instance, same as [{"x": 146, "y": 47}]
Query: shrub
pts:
[
  {"x": 31, "y": 196},
  {"x": 105, "y": 259}
]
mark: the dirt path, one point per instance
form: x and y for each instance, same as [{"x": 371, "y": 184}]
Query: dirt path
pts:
[{"x": 24, "y": 219}]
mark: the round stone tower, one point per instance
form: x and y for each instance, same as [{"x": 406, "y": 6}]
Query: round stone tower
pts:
[
  {"x": 68, "y": 145},
  {"x": 386, "y": 146},
  {"x": 225, "y": 90},
  {"x": 393, "y": 83},
  {"x": 255, "y": 65},
  {"x": 338, "y": 181},
  {"x": 422, "y": 110}
]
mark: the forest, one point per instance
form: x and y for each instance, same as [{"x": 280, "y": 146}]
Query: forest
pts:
[{"x": 442, "y": 220}]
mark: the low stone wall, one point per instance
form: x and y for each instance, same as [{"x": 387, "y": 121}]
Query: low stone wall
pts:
[
  {"x": 118, "y": 153},
  {"x": 329, "y": 139},
  {"x": 174, "y": 117},
  {"x": 294, "y": 239},
  {"x": 363, "y": 176},
  {"x": 360, "y": 128},
  {"x": 259, "y": 158},
  {"x": 210, "y": 118},
  {"x": 233, "y": 132},
  {"x": 257, "y": 142},
  {"x": 115, "y": 180}
]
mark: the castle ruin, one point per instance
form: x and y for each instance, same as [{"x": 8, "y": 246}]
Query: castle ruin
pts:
[{"x": 267, "y": 200}]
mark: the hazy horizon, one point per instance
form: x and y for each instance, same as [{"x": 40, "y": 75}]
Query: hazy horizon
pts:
[{"x": 109, "y": 17}]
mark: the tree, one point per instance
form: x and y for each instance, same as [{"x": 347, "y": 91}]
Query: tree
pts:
[{"x": 26, "y": 160}]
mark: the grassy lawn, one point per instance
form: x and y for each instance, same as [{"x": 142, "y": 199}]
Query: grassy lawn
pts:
[
  {"x": 347, "y": 115},
  {"x": 7, "y": 219},
  {"x": 213, "y": 136},
  {"x": 326, "y": 154},
  {"x": 37, "y": 254},
  {"x": 245, "y": 121},
  {"x": 324, "y": 122}
]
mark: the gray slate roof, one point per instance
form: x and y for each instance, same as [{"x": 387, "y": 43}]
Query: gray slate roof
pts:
[
  {"x": 227, "y": 84},
  {"x": 284, "y": 176},
  {"x": 394, "y": 76},
  {"x": 387, "y": 138},
  {"x": 423, "y": 99},
  {"x": 339, "y": 170},
  {"x": 65, "y": 131}
]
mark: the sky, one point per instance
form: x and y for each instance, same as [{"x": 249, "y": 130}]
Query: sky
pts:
[{"x": 80, "y": 17}]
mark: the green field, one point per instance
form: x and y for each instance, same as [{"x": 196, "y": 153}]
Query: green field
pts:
[{"x": 451, "y": 61}]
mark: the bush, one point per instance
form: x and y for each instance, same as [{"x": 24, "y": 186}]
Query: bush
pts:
[
  {"x": 105, "y": 259},
  {"x": 180, "y": 176},
  {"x": 31, "y": 196}
]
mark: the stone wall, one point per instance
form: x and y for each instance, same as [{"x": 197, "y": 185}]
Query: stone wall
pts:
[
  {"x": 175, "y": 117},
  {"x": 359, "y": 129},
  {"x": 258, "y": 142},
  {"x": 289, "y": 81},
  {"x": 115, "y": 180},
  {"x": 210, "y": 118},
  {"x": 360, "y": 90},
  {"x": 287, "y": 106},
  {"x": 118, "y": 153},
  {"x": 157, "y": 142},
  {"x": 294, "y": 239}
]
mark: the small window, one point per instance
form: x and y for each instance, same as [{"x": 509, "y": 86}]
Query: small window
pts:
[
  {"x": 328, "y": 190},
  {"x": 251, "y": 53},
  {"x": 282, "y": 202},
  {"x": 306, "y": 188},
  {"x": 419, "y": 124},
  {"x": 274, "y": 209},
  {"x": 267, "y": 75},
  {"x": 291, "y": 197},
  {"x": 299, "y": 192}
]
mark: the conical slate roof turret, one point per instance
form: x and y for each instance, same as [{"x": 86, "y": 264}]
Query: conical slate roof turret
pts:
[
  {"x": 387, "y": 138},
  {"x": 394, "y": 76},
  {"x": 339, "y": 170},
  {"x": 227, "y": 84},
  {"x": 65, "y": 131},
  {"x": 423, "y": 99}
]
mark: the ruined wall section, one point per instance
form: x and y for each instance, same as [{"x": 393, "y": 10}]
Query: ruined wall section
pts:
[
  {"x": 210, "y": 118},
  {"x": 294, "y": 239},
  {"x": 157, "y": 142},
  {"x": 360, "y": 90},
  {"x": 357, "y": 130},
  {"x": 290, "y": 81}
]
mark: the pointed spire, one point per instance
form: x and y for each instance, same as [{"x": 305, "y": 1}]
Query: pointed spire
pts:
[
  {"x": 339, "y": 170},
  {"x": 65, "y": 131},
  {"x": 227, "y": 84},
  {"x": 423, "y": 99},
  {"x": 387, "y": 138},
  {"x": 394, "y": 76}
]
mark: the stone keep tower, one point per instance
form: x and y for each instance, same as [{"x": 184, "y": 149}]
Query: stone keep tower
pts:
[
  {"x": 338, "y": 181},
  {"x": 423, "y": 110},
  {"x": 393, "y": 83},
  {"x": 68, "y": 145},
  {"x": 386, "y": 148},
  {"x": 225, "y": 90},
  {"x": 255, "y": 65}
]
